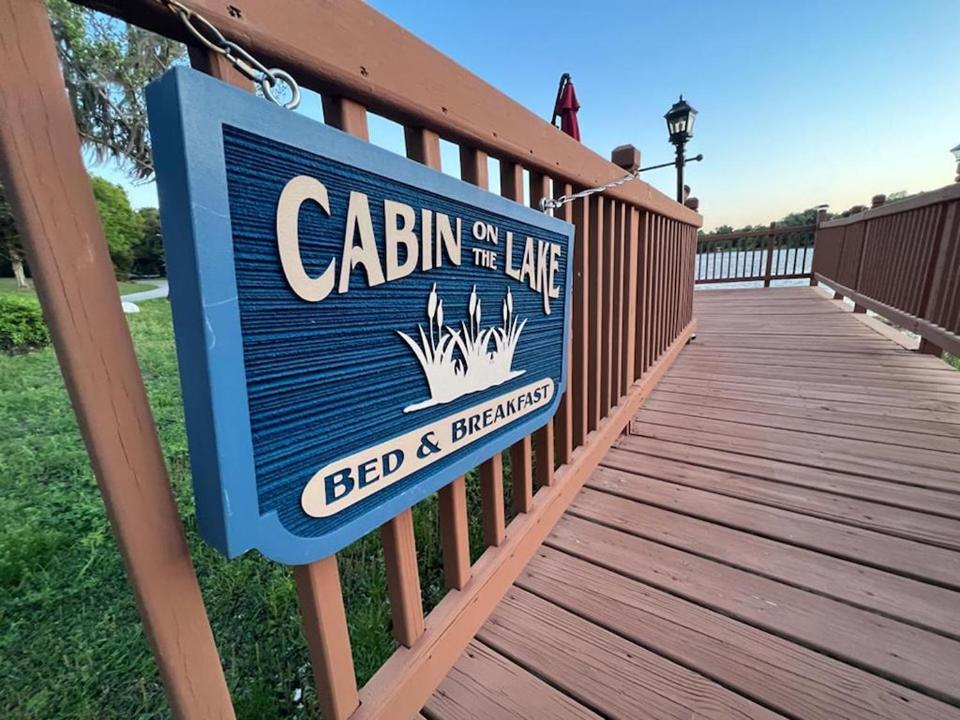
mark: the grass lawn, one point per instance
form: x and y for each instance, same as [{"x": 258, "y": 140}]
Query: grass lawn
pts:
[
  {"x": 8, "y": 286},
  {"x": 71, "y": 642}
]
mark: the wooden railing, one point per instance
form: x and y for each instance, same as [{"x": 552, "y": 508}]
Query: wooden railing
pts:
[
  {"x": 777, "y": 253},
  {"x": 901, "y": 261},
  {"x": 632, "y": 312}
]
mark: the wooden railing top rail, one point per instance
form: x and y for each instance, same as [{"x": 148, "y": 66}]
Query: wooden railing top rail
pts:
[
  {"x": 375, "y": 62},
  {"x": 945, "y": 194},
  {"x": 719, "y": 237}
]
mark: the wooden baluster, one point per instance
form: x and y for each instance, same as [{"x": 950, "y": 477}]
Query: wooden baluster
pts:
[
  {"x": 454, "y": 533},
  {"x": 396, "y": 535},
  {"x": 676, "y": 272},
  {"x": 564, "y": 418},
  {"x": 595, "y": 323},
  {"x": 521, "y": 452},
  {"x": 662, "y": 246},
  {"x": 424, "y": 146},
  {"x": 617, "y": 347},
  {"x": 403, "y": 577},
  {"x": 631, "y": 268},
  {"x": 712, "y": 258},
  {"x": 671, "y": 280},
  {"x": 543, "y": 439},
  {"x": 691, "y": 259},
  {"x": 606, "y": 308},
  {"x": 49, "y": 191},
  {"x": 581, "y": 323},
  {"x": 659, "y": 276},
  {"x": 682, "y": 275},
  {"x": 653, "y": 246},
  {"x": 473, "y": 169},
  {"x": 668, "y": 281},
  {"x": 325, "y": 628},
  {"x": 643, "y": 297}
]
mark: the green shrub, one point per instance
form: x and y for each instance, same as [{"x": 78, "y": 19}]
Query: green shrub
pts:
[{"x": 21, "y": 325}]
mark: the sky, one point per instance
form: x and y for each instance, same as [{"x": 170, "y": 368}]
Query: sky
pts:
[{"x": 800, "y": 103}]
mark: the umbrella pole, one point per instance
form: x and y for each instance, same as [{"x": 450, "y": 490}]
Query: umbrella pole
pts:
[{"x": 564, "y": 79}]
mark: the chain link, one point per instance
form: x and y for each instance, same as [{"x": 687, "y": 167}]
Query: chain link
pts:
[
  {"x": 212, "y": 39},
  {"x": 548, "y": 205}
]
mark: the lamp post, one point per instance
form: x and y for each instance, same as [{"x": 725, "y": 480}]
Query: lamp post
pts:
[
  {"x": 956, "y": 156},
  {"x": 680, "y": 119}
]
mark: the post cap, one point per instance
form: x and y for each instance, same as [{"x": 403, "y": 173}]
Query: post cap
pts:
[
  {"x": 878, "y": 200},
  {"x": 693, "y": 203},
  {"x": 627, "y": 157}
]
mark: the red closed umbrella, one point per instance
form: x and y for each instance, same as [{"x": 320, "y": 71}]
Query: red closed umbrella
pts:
[{"x": 566, "y": 107}]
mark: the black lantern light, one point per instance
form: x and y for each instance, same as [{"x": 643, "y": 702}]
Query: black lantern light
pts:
[{"x": 680, "y": 119}]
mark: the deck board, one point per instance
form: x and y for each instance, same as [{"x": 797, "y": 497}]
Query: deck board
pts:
[{"x": 777, "y": 536}]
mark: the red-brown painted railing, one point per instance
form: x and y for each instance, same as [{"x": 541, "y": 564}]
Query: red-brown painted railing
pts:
[
  {"x": 777, "y": 253},
  {"x": 632, "y": 312},
  {"x": 902, "y": 261}
]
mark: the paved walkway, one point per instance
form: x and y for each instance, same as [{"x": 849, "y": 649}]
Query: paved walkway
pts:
[
  {"x": 777, "y": 537},
  {"x": 159, "y": 289}
]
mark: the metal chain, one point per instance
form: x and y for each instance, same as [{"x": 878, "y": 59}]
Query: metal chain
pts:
[
  {"x": 551, "y": 204},
  {"x": 212, "y": 39}
]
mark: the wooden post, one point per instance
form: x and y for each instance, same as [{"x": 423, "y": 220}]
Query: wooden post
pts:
[
  {"x": 43, "y": 173},
  {"x": 771, "y": 243},
  {"x": 325, "y": 628}
]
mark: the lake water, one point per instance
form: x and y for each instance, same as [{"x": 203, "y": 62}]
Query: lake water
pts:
[{"x": 786, "y": 261}]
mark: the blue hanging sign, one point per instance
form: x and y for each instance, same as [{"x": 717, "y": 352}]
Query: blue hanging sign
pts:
[{"x": 354, "y": 330}]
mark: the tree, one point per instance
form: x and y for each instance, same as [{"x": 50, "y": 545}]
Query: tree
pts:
[
  {"x": 106, "y": 65},
  {"x": 148, "y": 250},
  {"x": 794, "y": 219},
  {"x": 122, "y": 226},
  {"x": 11, "y": 251}
]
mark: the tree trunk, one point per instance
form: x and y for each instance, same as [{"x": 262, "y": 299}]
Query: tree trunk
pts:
[{"x": 17, "y": 263}]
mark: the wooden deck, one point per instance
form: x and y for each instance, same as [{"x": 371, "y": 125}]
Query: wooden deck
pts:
[{"x": 779, "y": 536}]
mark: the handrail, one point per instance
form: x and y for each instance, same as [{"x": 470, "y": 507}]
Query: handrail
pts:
[
  {"x": 763, "y": 232},
  {"x": 632, "y": 313},
  {"x": 765, "y": 255},
  {"x": 348, "y": 49},
  {"x": 902, "y": 261},
  {"x": 944, "y": 194}
]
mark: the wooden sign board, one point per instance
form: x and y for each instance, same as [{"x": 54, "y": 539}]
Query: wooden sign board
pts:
[{"x": 354, "y": 330}]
